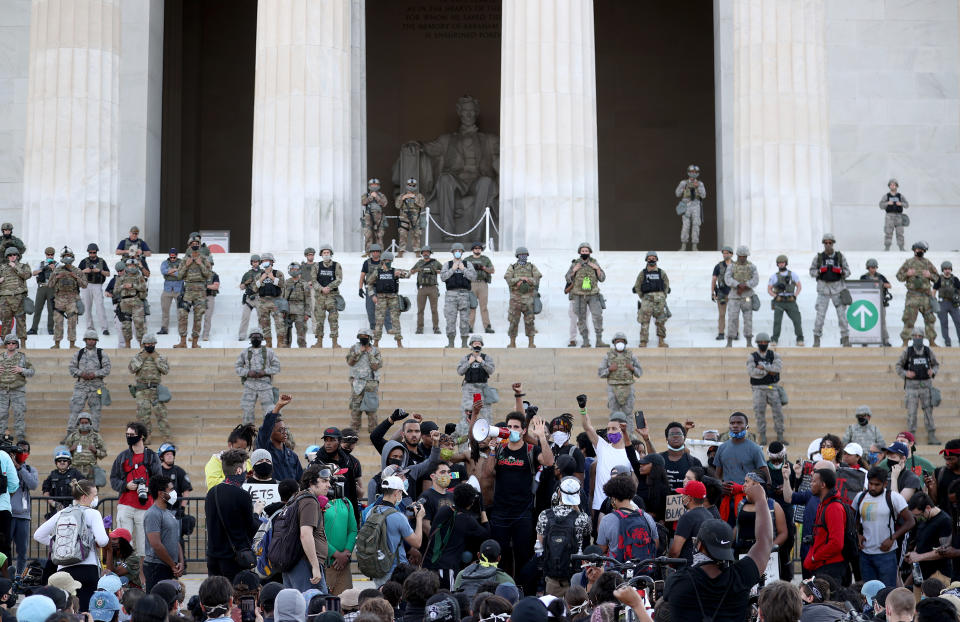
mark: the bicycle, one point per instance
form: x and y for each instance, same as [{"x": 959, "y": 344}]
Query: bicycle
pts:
[{"x": 652, "y": 589}]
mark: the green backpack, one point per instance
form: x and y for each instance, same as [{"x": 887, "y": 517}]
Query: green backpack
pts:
[{"x": 373, "y": 548}]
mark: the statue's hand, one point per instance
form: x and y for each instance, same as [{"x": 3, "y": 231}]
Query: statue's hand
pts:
[{"x": 413, "y": 146}]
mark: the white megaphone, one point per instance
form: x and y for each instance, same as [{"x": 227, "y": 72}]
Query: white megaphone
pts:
[{"x": 482, "y": 430}]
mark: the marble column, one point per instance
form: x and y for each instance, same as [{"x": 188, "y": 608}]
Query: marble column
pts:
[
  {"x": 781, "y": 159},
  {"x": 71, "y": 164},
  {"x": 358, "y": 120},
  {"x": 302, "y": 125},
  {"x": 548, "y": 125}
]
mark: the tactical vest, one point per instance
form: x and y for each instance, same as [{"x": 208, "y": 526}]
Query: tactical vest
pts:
[
  {"x": 835, "y": 261},
  {"x": 477, "y": 262},
  {"x": 60, "y": 483},
  {"x": 785, "y": 286},
  {"x": 918, "y": 363},
  {"x": 387, "y": 282},
  {"x": 652, "y": 281},
  {"x": 175, "y": 263},
  {"x": 894, "y": 209},
  {"x": 68, "y": 283},
  {"x": 948, "y": 288},
  {"x": 622, "y": 375},
  {"x": 13, "y": 284},
  {"x": 127, "y": 292},
  {"x": 270, "y": 290},
  {"x": 769, "y": 378},
  {"x": 296, "y": 291},
  {"x": 722, "y": 287},
  {"x": 10, "y": 379},
  {"x": 476, "y": 374},
  {"x": 326, "y": 275},
  {"x": 690, "y": 193},
  {"x": 457, "y": 280},
  {"x": 918, "y": 282},
  {"x": 525, "y": 270},
  {"x": 250, "y": 276},
  {"x": 149, "y": 371},
  {"x": 194, "y": 273},
  {"x": 741, "y": 272},
  {"x": 427, "y": 275}
]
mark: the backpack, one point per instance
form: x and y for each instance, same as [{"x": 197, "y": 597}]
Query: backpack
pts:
[
  {"x": 261, "y": 545},
  {"x": 72, "y": 540},
  {"x": 851, "y": 540},
  {"x": 894, "y": 518},
  {"x": 99, "y": 356},
  {"x": 850, "y": 483},
  {"x": 284, "y": 549},
  {"x": 559, "y": 543},
  {"x": 633, "y": 537},
  {"x": 373, "y": 548}
]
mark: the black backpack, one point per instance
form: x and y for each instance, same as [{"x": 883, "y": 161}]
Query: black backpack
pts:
[
  {"x": 559, "y": 543},
  {"x": 284, "y": 550},
  {"x": 851, "y": 540}
]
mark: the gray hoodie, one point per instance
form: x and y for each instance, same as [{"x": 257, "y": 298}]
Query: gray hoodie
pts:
[
  {"x": 416, "y": 471},
  {"x": 289, "y": 606},
  {"x": 20, "y": 500}
]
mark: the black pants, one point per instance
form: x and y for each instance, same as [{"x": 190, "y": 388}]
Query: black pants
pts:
[
  {"x": 154, "y": 573},
  {"x": 223, "y": 567},
  {"x": 44, "y": 299},
  {"x": 87, "y": 575},
  {"x": 5, "y": 518},
  {"x": 839, "y": 571},
  {"x": 515, "y": 536}
]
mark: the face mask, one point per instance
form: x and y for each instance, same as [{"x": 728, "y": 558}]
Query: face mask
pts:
[
  {"x": 130, "y": 269},
  {"x": 741, "y": 434},
  {"x": 917, "y": 343},
  {"x": 446, "y": 454},
  {"x": 265, "y": 264},
  {"x": 22, "y": 458},
  {"x": 12, "y": 600},
  {"x": 862, "y": 420},
  {"x": 560, "y": 438},
  {"x": 67, "y": 260},
  {"x": 679, "y": 443},
  {"x": 457, "y": 254},
  {"x": 584, "y": 256},
  {"x": 699, "y": 559},
  {"x": 263, "y": 470},
  {"x": 149, "y": 349},
  {"x": 763, "y": 346},
  {"x": 85, "y": 427},
  {"x": 294, "y": 274},
  {"x": 476, "y": 348},
  {"x": 919, "y": 253},
  {"x": 195, "y": 247},
  {"x": 171, "y": 497},
  {"x": 515, "y": 436},
  {"x": 133, "y": 440},
  {"x": 255, "y": 342},
  {"x": 614, "y": 437},
  {"x": 395, "y": 461},
  {"x": 387, "y": 264},
  {"x": 95, "y": 502},
  {"x": 619, "y": 346},
  {"x": 444, "y": 481},
  {"x": 828, "y": 453},
  {"x": 406, "y": 485},
  {"x": 921, "y": 518},
  {"x": 364, "y": 341},
  {"x": 651, "y": 263}
]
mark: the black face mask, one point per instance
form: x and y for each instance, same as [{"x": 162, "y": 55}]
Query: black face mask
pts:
[
  {"x": 395, "y": 461},
  {"x": 255, "y": 342},
  {"x": 651, "y": 263},
  {"x": 195, "y": 247},
  {"x": 476, "y": 348},
  {"x": 862, "y": 420},
  {"x": 149, "y": 349},
  {"x": 263, "y": 470},
  {"x": 919, "y": 253},
  {"x": 763, "y": 346},
  {"x": 364, "y": 341},
  {"x": 584, "y": 256},
  {"x": 133, "y": 440}
]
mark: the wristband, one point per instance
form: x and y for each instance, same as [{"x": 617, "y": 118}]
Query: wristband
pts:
[{"x": 519, "y": 395}]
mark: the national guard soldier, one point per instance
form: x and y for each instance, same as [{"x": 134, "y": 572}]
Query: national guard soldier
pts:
[
  {"x": 386, "y": 286},
  {"x": 893, "y": 203},
  {"x": 8, "y": 240},
  {"x": 248, "y": 300},
  {"x": 831, "y": 271},
  {"x": 457, "y": 275},
  {"x": 409, "y": 206},
  {"x": 476, "y": 368},
  {"x": 480, "y": 287},
  {"x": 621, "y": 368},
  {"x": 652, "y": 286},
  {"x": 584, "y": 276},
  {"x": 719, "y": 290},
  {"x": 256, "y": 366},
  {"x": 784, "y": 286},
  {"x": 764, "y": 367},
  {"x": 741, "y": 277},
  {"x": 872, "y": 275},
  {"x": 14, "y": 371},
  {"x": 373, "y": 203},
  {"x": 148, "y": 367},
  {"x": 194, "y": 271},
  {"x": 427, "y": 270},
  {"x": 297, "y": 293},
  {"x": 269, "y": 285},
  {"x": 90, "y": 365},
  {"x": 204, "y": 250},
  {"x": 690, "y": 191},
  {"x": 13, "y": 291},
  {"x": 212, "y": 290},
  {"x": 308, "y": 273},
  {"x": 365, "y": 363},
  {"x": 523, "y": 281},
  {"x": 66, "y": 282},
  {"x": 918, "y": 367},
  {"x": 86, "y": 446},
  {"x": 172, "y": 288},
  {"x": 329, "y": 275},
  {"x": 131, "y": 289},
  {"x": 44, "y": 296},
  {"x": 918, "y": 273},
  {"x": 948, "y": 288}
]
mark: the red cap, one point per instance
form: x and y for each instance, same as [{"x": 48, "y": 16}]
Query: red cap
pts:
[
  {"x": 908, "y": 436},
  {"x": 693, "y": 489},
  {"x": 123, "y": 534}
]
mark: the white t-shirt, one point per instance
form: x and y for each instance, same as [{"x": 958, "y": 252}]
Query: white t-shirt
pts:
[
  {"x": 94, "y": 520},
  {"x": 875, "y": 518},
  {"x": 608, "y": 457}
]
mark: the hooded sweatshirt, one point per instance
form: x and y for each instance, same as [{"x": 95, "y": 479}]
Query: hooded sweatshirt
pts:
[
  {"x": 416, "y": 470},
  {"x": 476, "y": 574},
  {"x": 289, "y": 606}
]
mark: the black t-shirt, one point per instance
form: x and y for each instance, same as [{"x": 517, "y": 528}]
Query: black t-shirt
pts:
[
  {"x": 467, "y": 535},
  {"x": 719, "y": 271},
  {"x": 607, "y": 506},
  {"x": 929, "y": 533},
  {"x": 726, "y": 598},
  {"x": 513, "y": 484},
  {"x": 945, "y": 477},
  {"x": 676, "y": 471},
  {"x": 96, "y": 266},
  {"x": 432, "y": 501},
  {"x": 181, "y": 483},
  {"x": 548, "y": 483},
  {"x": 907, "y": 479},
  {"x": 689, "y": 526}
]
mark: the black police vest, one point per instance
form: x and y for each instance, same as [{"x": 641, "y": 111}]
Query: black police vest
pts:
[
  {"x": 386, "y": 282},
  {"x": 476, "y": 374},
  {"x": 60, "y": 483},
  {"x": 894, "y": 209},
  {"x": 458, "y": 280},
  {"x": 652, "y": 281},
  {"x": 919, "y": 363},
  {"x": 325, "y": 275},
  {"x": 270, "y": 289},
  {"x": 769, "y": 378},
  {"x": 836, "y": 261}
]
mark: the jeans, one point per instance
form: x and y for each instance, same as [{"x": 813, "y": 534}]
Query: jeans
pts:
[
  {"x": 298, "y": 577},
  {"x": 879, "y": 566},
  {"x": 154, "y": 573},
  {"x": 515, "y": 536},
  {"x": 131, "y": 518},
  {"x": 20, "y": 536}
]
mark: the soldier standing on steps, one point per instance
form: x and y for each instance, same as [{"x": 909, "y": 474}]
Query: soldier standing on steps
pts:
[
  {"x": 308, "y": 272},
  {"x": 256, "y": 366},
  {"x": 172, "y": 288},
  {"x": 44, "y": 296},
  {"x": 741, "y": 277},
  {"x": 8, "y": 240},
  {"x": 131, "y": 289},
  {"x": 585, "y": 275},
  {"x": 14, "y": 371},
  {"x": 248, "y": 300},
  {"x": 476, "y": 368},
  {"x": 948, "y": 288},
  {"x": 457, "y": 275},
  {"x": 90, "y": 365},
  {"x": 784, "y": 286},
  {"x": 13, "y": 291},
  {"x": 621, "y": 368},
  {"x": 764, "y": 367},
  {"x": 326, "y": 289},
  {"x": 212, "y": 291},
  {"x": 148, "y": 367},
  {"x": 652, "y": 285},
  {"x": 831, "y": 271},
  {"x": 298, "y": 298},
  {"x": 66, "y": 282},
  {"x": 386, "y": 286},
  {"x": 523, "y": 280},
  {"x": 690, "y": 191},
  {"x": 409, "y": 205},
  {"x": 719, "y": 290},
  {"x": 427, "y": 270},
  {"x": 918, "y": 273},
  {"x": 480, "y": 287},
  {"x": 86, "y": 446},
  {"x": 893, "y": 203},
  {"x": 365, "y": 363},
  {"x": 195, "y": 270},
  {"x": 367, "y": 273},
  {"x": 269, "y": 286},
  {"x": 918, "y": 367},
  {"x": 373, "y": 203},
  {"x": 872, "y": 275}
]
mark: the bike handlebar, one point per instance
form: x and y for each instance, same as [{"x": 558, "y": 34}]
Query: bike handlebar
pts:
[{"x": 658, "y": 561}]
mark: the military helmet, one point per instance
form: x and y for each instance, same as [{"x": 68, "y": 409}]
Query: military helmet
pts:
[
  {"x": 521, "y": 250},
  {"x": 727, "y": 248},
  {"x": 193, "y": 236},
  {"x": 11, "y": 338},
  {"x": 585, "y": 245},
  {"x": 782, "y": 259},
  {"x": 92, "y": 248},
  {"x": 475, "y": 338},
  {"x": 376, "y": 248},
  {"x": 266, "y": 256},
  {"x": 91, "y": 334},
  {"x": 149, "y": 338},
  {"x": 918, "y": 244},
  {"x": 864, "y": 410},
  {"x": 456, "y": 246},
  {"x": 118, "y": 266},
  {"x": 652, "y": 254},
  {"x": 364, "y": 332},
  {"x": 477, "y": 244},
  {"x": 411, "y": 183},
  {"x": 828, "y": 236},
  {"x": 49, "y": 251},
  {"x": 426, "y": 247},
  {"x": 372, "y": 181},
  {"x": 387, "y": 256},
  {"x": 11, "y": 250},
  {"x": 326, "y": 247},
  {"x": 6, "y": 226},
  {"x": 254, "y": 257},
  {"x": 693, "y": 168},
  {"x": 62, "y": 452},
  {"x": 872, "y": 263},
  {"x": 917, "y": 330},
  {"x": 743, "y": 251},
  {"x": 134, "y": 229},
  {"x": 254, "y": 331},
  {"x": 946, "y": 266},
  {"x": 893, "y": 180},
  {"x": 762, "y": 337},
  {"x": 293, "y": 266},
  {"x": 309, "y": 251},
  {"x": 66, "y": 251},
  {"x": 620, "y": 336}
]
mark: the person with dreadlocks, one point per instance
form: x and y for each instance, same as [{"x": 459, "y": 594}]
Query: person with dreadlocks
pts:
[{"x": 560, "y": 432}]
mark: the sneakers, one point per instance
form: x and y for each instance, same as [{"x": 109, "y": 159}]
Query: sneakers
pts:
[
  {"x": 572, "y": 344},
  {"x": 816, "y": 341}
]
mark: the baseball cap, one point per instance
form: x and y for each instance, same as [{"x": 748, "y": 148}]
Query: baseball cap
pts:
[
  {"x": 620, "y": 469},
  {"x": 909, "y": 436},
  {"x": 349, "y": 435},
  {"x": 441, "y": 608},
  {"x": 717, "y": 537},
  {"x": 619, "y": 417},
  {"x": 35, "y": 608},
  {"x": 870, "y": 589},
  {"x": 391, "y": 483},
  {"x": 269, "y": 593},
  {"x": 652, "y": 459},
  {"x": 854, "y": 449},
  {"x": 570, "y": 491},
  {"x": 260, "y": 454},
  {"x": 65, "y": 582},
  {"x": 109, "y": 583},
  {"x": 510, "y": 592},
  {"x": 103, "y": 605},
  {"x": 899, "y": 448},
  {"x": 490, "y": 549},
  {"x": 350, "y": 598},
  {"x": 693, "y": 489},
  {"x": 332, "y": 433}
]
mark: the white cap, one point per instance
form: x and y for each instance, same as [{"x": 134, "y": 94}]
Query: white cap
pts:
[
  {"x": 570, "y": 491},
  {"x": 392, "y": 483},
  {"x": 854, "y": 449}
]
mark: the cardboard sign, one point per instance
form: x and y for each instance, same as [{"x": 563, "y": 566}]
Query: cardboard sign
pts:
[
  {"x": 675, "y": 508},
  {"x": 771, "y": 574},
  {"x": 268, "y": 493}
]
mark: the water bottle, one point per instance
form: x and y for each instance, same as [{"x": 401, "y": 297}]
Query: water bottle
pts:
[
  {"x": 917, "y": 574},
  {"x": 538, "y": 548}
]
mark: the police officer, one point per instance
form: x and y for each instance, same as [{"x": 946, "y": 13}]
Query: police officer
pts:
[
  {"x": 741, "y": 277},
  {"x": 457, "y": 275},
  {"x": 248, "y": 300},
  {"x": 918, "y": 367},
  {"x": 584, "y": 276},
  {"x": 44, "y": 296},
  {"x": 719, "y": 290},
  {"x": 269, "y": 285},
  {"x": 373, "y": 202},
  {"x": 872, "y": 275},
  {"x": 690, "y": 191},
  {"x": 256, "y": 366},
  {"x": 427, "y": 270},
  {"x": 172, "y": 288},
  {"x": 621, "y": 368},
  {"x": 365, "y": 362},
  {"x": 386, "y": 286},
  {"x": 831, "y": 271},
  {"x": 66, "y": 283},
  {"x": 523, "y": 280},
  {"x": 763, "y": 368},
  {"x": 893, "y": 203},
  {"x": 409, "y": 205},
  {"x": 652, "y": 286},
  {"x": 480, "y": 287},
  {"x": 58, "y": 484},
  {"x": 326, "y": 287},
  {"x": 148, "y": 367},
  {"x": 948, "y": 288},
  {"x": 14, "y": 371},
  {"x": 476, "y": 368},
  {"x": 784, "y": 286},
  {"x": 918, "y": 273}
]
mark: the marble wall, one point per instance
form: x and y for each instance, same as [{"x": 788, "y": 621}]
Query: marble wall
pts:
[{"x": 14, "y": 74}]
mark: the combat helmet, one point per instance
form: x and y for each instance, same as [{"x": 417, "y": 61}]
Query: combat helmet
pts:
[
  {"x": 782, "y": 259},
  {"x": 946, "y": 266},
  {"x": 426, "y": 247},
  {"x": 6, "y": 227},
  {"x": 254, "y": 258},
  {"x": 475, "y": 338},
  {"x": 652, "y": 254},
  {"x": 693, "y": 171},
  {"x": 521, "y": 250},
  {"x": 254, "y": 331},
  {"x": 11, "y": 338},
  {"x": 309, "y": 251},
  {"x": 585, "y": 245},
  {"x": 376, "y": 248},
  {"x": 620, "y": 336},
  {"x": 412, "y": 183},
  {"x": 762, "y": 338},
  {"x": 365, "y": 332},
  {"x": 326, "y": 247},
  {"x": 91, "y": 334},
  {"x": 266, "y": 257},
  {"x": 922, "y": 245},
  {"x": 743, "y": 251},
  {"x": 456, "y": 246},
  {"x": 872, "y": 263},
  {"x": 11, "y": 250},
  {"x": 149, "y": 338},
  {"x": 828, "y": 236},
  {"x": 92, "y": 248},
  {"x": 387, "y": 256},
  {"x": 726, "y": 248}
]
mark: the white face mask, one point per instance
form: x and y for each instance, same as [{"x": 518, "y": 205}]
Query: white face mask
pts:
[
  {"x": 620, "y": 346},
  {"x": 560, "y": 438},
  {"x": 172, "y": 497},
  {"x": 95, "y": 502}
]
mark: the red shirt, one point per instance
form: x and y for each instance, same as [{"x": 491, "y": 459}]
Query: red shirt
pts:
[
  {"x": 135, "y": 469},
  {"x": 827, "y": 541}
]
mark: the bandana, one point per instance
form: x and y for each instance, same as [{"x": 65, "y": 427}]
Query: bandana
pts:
[{"x": 950, "y": 452}]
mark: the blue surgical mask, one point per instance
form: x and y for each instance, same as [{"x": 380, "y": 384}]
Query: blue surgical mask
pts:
[
  {"x": 515, "y": 436},
  {"x": 741, "y": 434},
  {"x": 406, "y": 485},
  {"x": 872, "y": 457}
]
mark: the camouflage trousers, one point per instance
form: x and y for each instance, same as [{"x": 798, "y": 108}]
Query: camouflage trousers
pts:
[
  {"x": 521, "y": 304},
  {"x": 65, "y": 307},
  {"x": 456, "y": 304},
  {"x": 248, "y": 401},
  {"x": 355, "y": 402},
  {"x": 407, "y": 229},
  {"x": 891, "y": 223},
  {"x": 691, "y": 221},
  {"x": 467, "y": 390},
  {"x": 267, "y": 309},
  {"x": 947, "y": 311},
  {"x": 195, "y": 300},
  {"x": 582, "y": 304},
  {"x": 325, "y": 310},
  {"x": 84, "y": 395},
  {"x": 299, "y": 324},
  {"x": 918, "y": 391},
  {"x": 763, "y": 395},
  {"x": 736, "y": 306},
  {"x": 387, "y": 304},
  {"x": 13, "y": 400},
  {"x": 147, "y": 405},
  {"x": 655, "y": 307},
  {"x": 823, "y": 301},
  {"x": 918, "y": 303},
  {"x": 372, "y": 228},
  {"x": 620, "y": 399},
  {"x": 11, "y": 308},
  {"x": 132, "y": 310},
  {"x": 428, "y": 293}
]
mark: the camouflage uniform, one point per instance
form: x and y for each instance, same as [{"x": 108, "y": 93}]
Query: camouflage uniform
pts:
[
  {"x": 262, "y": 360},
  {"x": 522, "y": 295},
  {"x": 893, "y": 220},
  {"x": 13, "y": 291},
  {"x": 475, "y": 380},
  {"x": 690, "y": 191},
  {"x": 8, "y": 241},
  {"x": 13, "y": 395},
  {"x": 364, "y": 376},
  {"x": 652, "y": 287},
  {"x": 409, "y": 220},
  {"x": 308, "y": 274},
  {"x": 86, "y": 450},
  {"x": 87, "y": 392},
  {"x": 131, "y": 303},
  {"x": 480, "y": 288},
  {"x": 386, "y": 284},
  {"x": 763, "y": 381},
  {"x": 918, "y": 296},
  {"x": 194, "y": 275},
  {"x": 149, "y": 368},
  {"x": 923, "y": 363},
  {"x": 586, "y": 295},
  {"x": 66, "y": 283},
  {"x": 298, "y": 297},
  {"x": 427, "y": 291},
  {"x": 738, "y": 302},
  {"x": 325, "y": 305},
  {"x": 831, "y": 271},
  {"x": 620, "y": 380},
  {"x": 267, "y": 307},
  {"x": 456, "y": 302},
  {"x": 373, "y": 221}
]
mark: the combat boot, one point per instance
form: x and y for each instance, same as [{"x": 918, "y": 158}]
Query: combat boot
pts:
[
  {"x": 932, "y": 438},
  {"x": 450, "y": 342},
  {"x": 530, "y": 343},
  {"x": 643, "y": 343},
  {"x": 436, "y": 330},
  {"x": 845, "y": 342},
  {"x": 419, "y": 331},
  {"x": 376, "y": 343},
  {"x": 799, "y": 343},
  {"x": 683, "y": 246},
  {"x": 886, "y": 247},
  {"x": 163, "y": 331},
  {"x": 23, "y": 343},
  {"x": 693, "y": 247},
  {"x": 334, "y": 345},
  {"x": 488, "y": 330},
  {"x": 55, "y": 346},
  {"x": 193, "y": 343},
  {"x": 463, "y": 341},
  {"x": 513, "y": 342},
  {"x": 729, "y": 342},
  {"x": 572, "y": 344},
  {"x": 600, "y": 343},
  {"x": 73, "y": 344},
  {"x": 319, "y": 343},
  {"x": 816, "y": 341},
  {"x": 399, "y": 342},
  {"x": 372, "y": 422},
  {"x": 663, "y": 343},
  {"x": 586, "y": 343},
  {"x": 126, "y": 342},
  {"x": 183, "y": 342},
  {"x": 749, "y": 339},
  {"x": 933, "y": 344},
  {"x": 720, "y": 337}
]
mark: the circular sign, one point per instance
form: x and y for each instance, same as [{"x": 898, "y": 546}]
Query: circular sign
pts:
[{"x": 862, "y": 315}]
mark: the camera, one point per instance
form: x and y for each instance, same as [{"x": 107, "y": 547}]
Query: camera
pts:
[
  {"x": 411, "y": 511},
  {"x": 11, "y": 449},
  {"x": 141, "y": 489}
]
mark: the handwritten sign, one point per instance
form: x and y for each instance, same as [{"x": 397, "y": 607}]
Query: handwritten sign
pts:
[
  {"x": 268, "y": 493},
  {"x": 675, "y": 508},
  {"x": 770, "y": 574}
]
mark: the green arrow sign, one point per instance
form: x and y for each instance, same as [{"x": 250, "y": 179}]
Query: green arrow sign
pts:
[{"x": 862, "y": 315}]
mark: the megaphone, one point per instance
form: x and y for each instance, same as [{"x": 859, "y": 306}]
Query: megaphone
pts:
[{"x": 482, "y": 430}]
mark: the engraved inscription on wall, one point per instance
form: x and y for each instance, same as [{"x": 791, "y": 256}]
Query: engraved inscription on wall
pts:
[{"x": 456, "y": 19}]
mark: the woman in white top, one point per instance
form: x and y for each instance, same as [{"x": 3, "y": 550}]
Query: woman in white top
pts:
[{"x": 87, "y": 572}]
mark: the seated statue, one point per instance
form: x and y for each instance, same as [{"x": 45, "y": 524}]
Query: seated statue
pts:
[{"x": 458, "y": 172}]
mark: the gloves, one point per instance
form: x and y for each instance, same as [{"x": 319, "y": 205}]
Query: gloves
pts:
[
  {"x": 361, "y": 293},
  {"x": 398, "y": 414}
]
